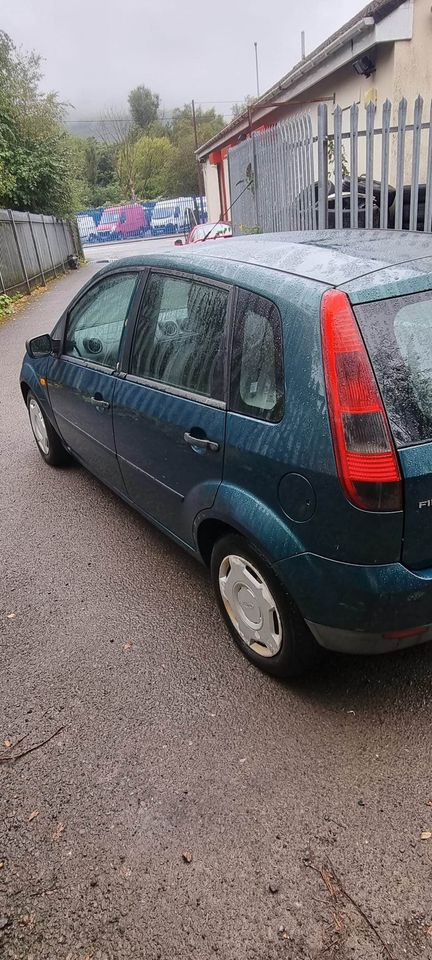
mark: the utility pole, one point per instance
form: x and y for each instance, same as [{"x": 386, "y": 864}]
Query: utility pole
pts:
[
  {"x": 256, "y": 68},
  {"x": 200, "y": 173}
]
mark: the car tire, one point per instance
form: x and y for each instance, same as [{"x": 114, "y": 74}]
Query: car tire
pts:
[
  {"x": 48, "y": 442},
  {"x": 282, "y": 644}
]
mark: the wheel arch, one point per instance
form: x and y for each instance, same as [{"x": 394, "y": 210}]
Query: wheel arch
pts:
[
  {"x": 209, "y": 531},
  {"x": 24, "y": 390}
]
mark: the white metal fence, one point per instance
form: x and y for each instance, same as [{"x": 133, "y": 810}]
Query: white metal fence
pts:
[
  {"x": 33, "y": 248},
  {"x": 348, "y": 168}
]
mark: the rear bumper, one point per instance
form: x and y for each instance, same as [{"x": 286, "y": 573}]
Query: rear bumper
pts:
[
  {"x": 351, "y": 641},
  {"x": 350, "y": 607}
]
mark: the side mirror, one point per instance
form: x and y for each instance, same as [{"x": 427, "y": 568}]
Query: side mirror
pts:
[
  {"x": 42, "y": 346},
  {"x": 178, "y": 243}
]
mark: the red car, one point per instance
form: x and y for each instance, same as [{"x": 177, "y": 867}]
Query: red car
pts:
[{"x": 207, "y": 231}]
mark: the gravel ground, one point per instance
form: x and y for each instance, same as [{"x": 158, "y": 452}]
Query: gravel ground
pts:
[{"x": 187, "y": 806}]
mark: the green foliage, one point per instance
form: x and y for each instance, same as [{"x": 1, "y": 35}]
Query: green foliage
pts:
[
  {"x": 153, "y": 160},
  {"x": 6, "y": 305},
  {"x": 245, "y": 229},
  {"x": 94, "y": 175},
  {"x": 144, "y": 106},
  {"x": 239, "y": 108},
  {"x": 140, "y": 156},
  {"x": 183, "y": 173},
  {"x": 331, "y": 158},
  {"x": 34, "y": 154}
]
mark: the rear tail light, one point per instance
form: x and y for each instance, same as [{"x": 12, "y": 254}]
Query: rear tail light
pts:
[{"x": 366, "y": 458}]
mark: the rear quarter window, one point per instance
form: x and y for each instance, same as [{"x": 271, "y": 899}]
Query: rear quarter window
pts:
[
  {"x": 398, "y": 336},
  {"x": 257, "y": 388}
]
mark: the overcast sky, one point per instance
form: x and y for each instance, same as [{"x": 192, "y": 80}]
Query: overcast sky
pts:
[{"x": 95, "y": 51}]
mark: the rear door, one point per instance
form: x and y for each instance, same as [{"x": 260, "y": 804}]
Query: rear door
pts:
[
  {"x": 398, "y": 336},
  {"x": 81, "y": 381},
  {"x": 169, "y": 408}
]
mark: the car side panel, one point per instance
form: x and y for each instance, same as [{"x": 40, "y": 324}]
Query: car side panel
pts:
[
  {"x": 30, "y": 372},
  {"x": 258, "y": 455}
]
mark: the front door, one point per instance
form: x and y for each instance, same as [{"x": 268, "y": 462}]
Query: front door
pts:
[
  {"x": 81, "y": 381},
  {"x": 169, "y": 411}
]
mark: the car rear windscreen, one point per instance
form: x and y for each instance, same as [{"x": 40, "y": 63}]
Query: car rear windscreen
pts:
[{"x": 398, "y": 336}]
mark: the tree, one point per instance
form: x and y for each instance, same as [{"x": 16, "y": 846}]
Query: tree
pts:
[
  {"x": 239, "y": 108},
  {"x": 94, "y": 176},
  {"x": 183, "y": 176},
  {"x": 118, "y": 130},
  {"x": 34, "y": 148},
  {"x": 153, "y": 157},
  {"x": 144, "y": 106}
]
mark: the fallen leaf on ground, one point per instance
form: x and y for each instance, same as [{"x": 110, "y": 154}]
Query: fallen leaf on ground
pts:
[
  {"x": 187, "y": 856},
  {"x": 426, "y": 835},
  {"x": 58, "y": 831},
  {"x": 7, "y": 744},
  {"x": 27, "y": 919},
  {"x": 34, "y": 813}
]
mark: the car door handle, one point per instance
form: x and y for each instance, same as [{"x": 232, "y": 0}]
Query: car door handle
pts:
[
  {"x": 201, "y": 443},
  {"x": 99, "y": 403}
]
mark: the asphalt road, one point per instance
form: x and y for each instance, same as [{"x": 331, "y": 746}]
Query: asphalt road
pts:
[
  {"x": 100, "y": 252},
  {"x": 300, "y": 807}
]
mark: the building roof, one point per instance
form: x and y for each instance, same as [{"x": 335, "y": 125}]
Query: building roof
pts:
[
  {"x": 374, "y": 11},
  {"x": 332, "y": 257}
]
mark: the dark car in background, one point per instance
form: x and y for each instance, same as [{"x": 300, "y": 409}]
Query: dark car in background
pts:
[{"x": 267, "y": 402}]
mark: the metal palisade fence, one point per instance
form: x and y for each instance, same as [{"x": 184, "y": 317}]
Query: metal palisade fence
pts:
[
  {"x": 33, "y": 248},
  {"x": 272, "y": 174},
  {"x": 360, "y": 167}
]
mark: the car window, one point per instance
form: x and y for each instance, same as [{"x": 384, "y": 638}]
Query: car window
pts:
[
  {"x": 179, "y": 335},
  {"x": 257, "y": 367},
  {"x": 95, "y": 324},
  {"x": 398, "y": 336}
]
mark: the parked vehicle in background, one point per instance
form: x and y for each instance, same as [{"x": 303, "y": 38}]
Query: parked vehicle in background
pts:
[
  {"x": 86, "y": 227},
  {"x": 178, "y": 215},
  {"x": 268, "y": 405},
  {"x": 120, "y": 222},
  {"x": 207, "y": 231}
]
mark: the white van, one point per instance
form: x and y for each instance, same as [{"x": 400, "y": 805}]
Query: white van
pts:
[
  {"x": 86, "y": 227},
  {"x": 175, "y": 216}
]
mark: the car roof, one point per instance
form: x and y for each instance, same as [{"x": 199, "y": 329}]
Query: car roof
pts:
[{"x": 331, "y": 257}]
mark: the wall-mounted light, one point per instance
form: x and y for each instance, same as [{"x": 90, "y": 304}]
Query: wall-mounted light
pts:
[{"x": 364, "y": 66}]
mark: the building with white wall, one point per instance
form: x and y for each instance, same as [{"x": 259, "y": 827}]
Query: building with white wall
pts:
[{"x": 384, "y": 52}]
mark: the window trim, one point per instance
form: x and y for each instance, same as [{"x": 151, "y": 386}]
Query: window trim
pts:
[
  {"x": 166, "y": 387},
  {"x": 176, "y": 391},
  {"x": 140, "y": 272},
  {"x": 235, "y": 330}
]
